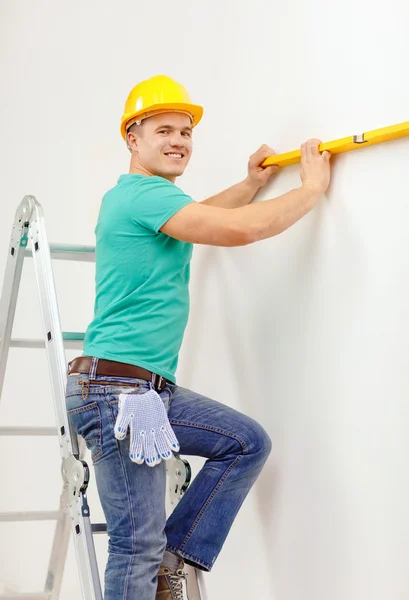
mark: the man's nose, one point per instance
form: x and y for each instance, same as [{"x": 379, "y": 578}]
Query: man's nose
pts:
[{"x": 176, "y": 139}]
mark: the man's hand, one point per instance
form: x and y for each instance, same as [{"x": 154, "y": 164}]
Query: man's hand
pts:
[
  {"x": 315, "y": 168},
  {"x": 258, "y": 176}
]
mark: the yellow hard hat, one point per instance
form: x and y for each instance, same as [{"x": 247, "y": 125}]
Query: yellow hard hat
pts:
[{"x": 156, "y": 95}]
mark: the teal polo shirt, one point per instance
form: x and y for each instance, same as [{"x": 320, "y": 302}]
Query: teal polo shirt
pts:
[{"x": 142, "y": 277}]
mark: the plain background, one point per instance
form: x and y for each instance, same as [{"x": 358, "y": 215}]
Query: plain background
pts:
[{"x": 307, "y": 332}]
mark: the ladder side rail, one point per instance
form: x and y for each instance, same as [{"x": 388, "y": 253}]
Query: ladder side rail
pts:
[
  {"x": 201, "y": 584},
  {"x": 11, "y": 282},
  {"x": 59, "y": 548},
  {"x": 85, "y": 548},
  {"x": 179, "y": 474}
]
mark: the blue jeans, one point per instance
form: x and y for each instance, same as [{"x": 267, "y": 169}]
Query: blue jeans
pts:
[{"x": 133, "y": 496}]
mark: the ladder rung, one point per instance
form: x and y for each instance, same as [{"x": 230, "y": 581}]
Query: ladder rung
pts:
[
  {"x": 25, "y": 596},
  {"x": 69, "y": 252},
  {"x": 28, "y": 431},
  {"x": 98, "y": 528},
  {"x": 27, "y": 343},
  {"x": 34, "y": 515},
  {"x": 72, "y": 340},
  {"x": 73, "y": 336}
]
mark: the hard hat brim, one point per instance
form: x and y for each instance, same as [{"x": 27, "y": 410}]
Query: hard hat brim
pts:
[{"x": 194, "y": 109}]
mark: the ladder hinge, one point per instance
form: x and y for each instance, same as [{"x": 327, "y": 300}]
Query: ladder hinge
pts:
[{"x": 84, "y": 506}]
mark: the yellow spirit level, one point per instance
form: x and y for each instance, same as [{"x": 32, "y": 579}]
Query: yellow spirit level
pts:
[{"x": 377, "y": 136}]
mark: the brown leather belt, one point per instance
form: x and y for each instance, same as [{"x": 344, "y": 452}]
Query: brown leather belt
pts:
[{"x": 111, "y": 368}]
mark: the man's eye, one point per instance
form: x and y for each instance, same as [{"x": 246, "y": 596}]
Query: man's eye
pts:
[
  {"x": 164, "y": 131},
  {"x": 187, "y": 133}
]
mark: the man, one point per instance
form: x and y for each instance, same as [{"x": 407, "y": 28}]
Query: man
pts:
[{"x": 126, "y": 376}]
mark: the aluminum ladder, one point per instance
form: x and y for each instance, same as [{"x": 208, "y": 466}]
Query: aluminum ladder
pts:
[{"x": 29, "y": 239}]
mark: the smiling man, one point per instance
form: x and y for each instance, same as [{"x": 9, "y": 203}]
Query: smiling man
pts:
[
  {"x": 165, "y": 143},
  {"x": 122, "y": 395}
]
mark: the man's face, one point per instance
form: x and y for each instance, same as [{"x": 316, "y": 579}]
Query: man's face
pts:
[{"x": 164, "y": 144}]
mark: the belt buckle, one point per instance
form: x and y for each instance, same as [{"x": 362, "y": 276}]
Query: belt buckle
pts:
[{"x": 157, "y": 382}]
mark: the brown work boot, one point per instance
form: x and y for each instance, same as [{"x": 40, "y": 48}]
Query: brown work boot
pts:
[{"x": 170, "y": 583}]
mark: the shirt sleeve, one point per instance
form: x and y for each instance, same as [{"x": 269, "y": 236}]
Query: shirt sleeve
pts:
[{"x": 155, "y": 200}]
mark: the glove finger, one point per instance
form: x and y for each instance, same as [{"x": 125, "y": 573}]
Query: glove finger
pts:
[
  {"x": 122, "y": 420},
  {"x": 165, "y": 432},
  {"x": 136, "y": 446},
  {"x": 136, "y": 453},
  {"x": 152, "y": 456},
  {"x": 170, "y": 436},
  {"x": 162, "y": 445}
]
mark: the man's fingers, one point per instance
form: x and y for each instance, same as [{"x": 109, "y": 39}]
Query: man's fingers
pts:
[
  {"x": 314, "y": 146},
  {"x": 310, "y": 149},
  {"x": 306, "y": 152},
  {"x": 262, "y": 153},
  {"x": 268, "y": 149}
]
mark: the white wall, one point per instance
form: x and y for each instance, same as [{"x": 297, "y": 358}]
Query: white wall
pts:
[{"x": 307, "y": 332}]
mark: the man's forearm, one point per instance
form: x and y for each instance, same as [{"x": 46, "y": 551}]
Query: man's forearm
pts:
[
  {"x": 271, "y": 217},
  {"x": 236, "y": 196}
]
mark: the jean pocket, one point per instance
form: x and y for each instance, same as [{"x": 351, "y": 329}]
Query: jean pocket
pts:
[{"x": 86, "y": 421}]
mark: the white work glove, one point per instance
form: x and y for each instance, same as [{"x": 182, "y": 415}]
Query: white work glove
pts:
[{"x": 152, "y": 437}]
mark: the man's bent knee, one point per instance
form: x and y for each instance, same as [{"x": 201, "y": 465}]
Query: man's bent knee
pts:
[{"x": 258, "y": 442}]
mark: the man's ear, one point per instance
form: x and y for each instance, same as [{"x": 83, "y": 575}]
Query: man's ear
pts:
[{"x": 131, "y": 141}]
